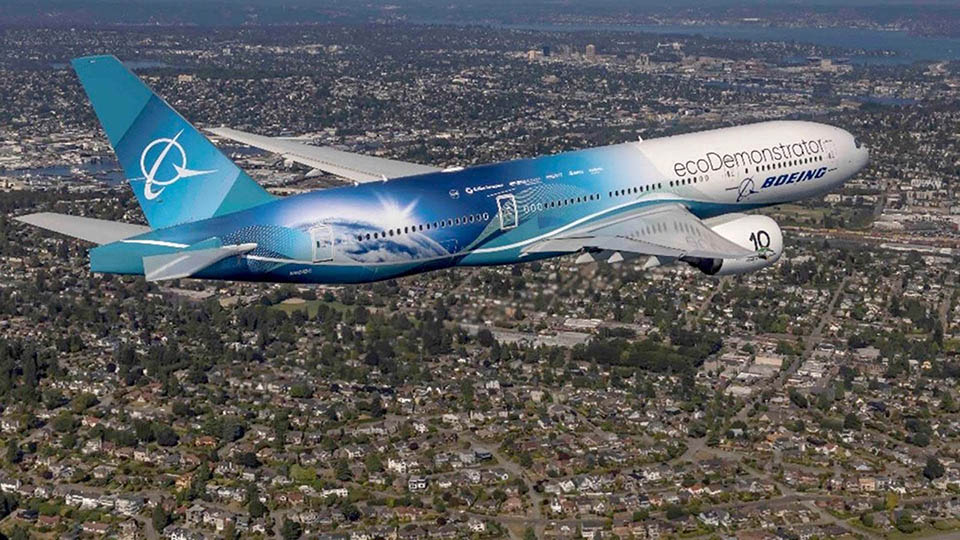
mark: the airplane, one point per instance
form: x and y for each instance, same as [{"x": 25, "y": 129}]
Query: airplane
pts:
[{"x": 673, "y": 199}]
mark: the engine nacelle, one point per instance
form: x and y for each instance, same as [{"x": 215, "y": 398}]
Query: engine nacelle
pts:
[{"x": 759, "y": 234}]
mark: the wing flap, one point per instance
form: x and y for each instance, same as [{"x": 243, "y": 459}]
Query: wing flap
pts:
[
  {"x": 98, "y": 231},
  {"x": 667, "y": 230},
  {"x": 355, "y": 167},
  {"x": 187, "y": 263}
]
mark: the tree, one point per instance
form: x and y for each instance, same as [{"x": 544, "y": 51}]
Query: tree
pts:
[
  {"x": 165, "y": 435},
  {"x": 254, "y": 505},
  {"x": 342, "y": 470},
  {"x": 64, "y": 422},
  {"x": 529, "y": 534},
  {"x": 675, "y": 512},
  {"x": 905, "y": 523},
  {"x": 934, "y": 469},
  {"x": 798, "y": 399},
  {"x": 485, "y": 337},
  {"x": 291, "y": 530},
  {"x": 373, "y": 463},
  {"x": 248, "y": 459},
  {"x": 851, "y": 422},
  {"x": 83, "y": 402},
  {"x": 160, "y": 518},
  {"x": 14, "y": 454}
]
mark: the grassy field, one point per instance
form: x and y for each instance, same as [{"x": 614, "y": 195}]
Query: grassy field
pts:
[{"x": 310, "y": 305}]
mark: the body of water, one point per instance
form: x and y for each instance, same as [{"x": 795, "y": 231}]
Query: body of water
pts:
[
  {"x": 132, "y": 64},
  {"x": 108, "y": 172},
  {"x": 905, "y": 48}
]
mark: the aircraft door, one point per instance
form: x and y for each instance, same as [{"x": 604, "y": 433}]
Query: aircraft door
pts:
[
  {"x": 321, "y": 238},
  {"x": 831, "y": 149},
  {"x": 507, "y": 207}
]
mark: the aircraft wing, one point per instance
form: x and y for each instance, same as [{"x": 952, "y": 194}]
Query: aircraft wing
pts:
[
  {"x": 667, "y": 230},
  {"x": 186, "y": 263},
  {"x": 355, "y": 167},
  {"x": 98, "y": 231}
]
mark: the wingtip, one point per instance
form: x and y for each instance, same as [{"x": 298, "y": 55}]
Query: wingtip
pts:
[
  {"x": 94, "y": 58},
  {"x": 30, "y": 219}
]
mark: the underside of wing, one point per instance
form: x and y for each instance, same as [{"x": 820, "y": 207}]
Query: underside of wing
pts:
[
  {"x": 98, "y": 231},
  {"x": 667, "y": 230},
  {"x": 354, "y": 167}
]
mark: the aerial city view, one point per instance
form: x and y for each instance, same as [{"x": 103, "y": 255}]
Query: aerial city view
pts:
[{"x": 441, "y": 269}]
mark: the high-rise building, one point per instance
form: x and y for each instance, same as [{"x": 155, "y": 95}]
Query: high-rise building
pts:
[
  {"x": 546, "y": 51},
  {"x": 591, "y": 51}
]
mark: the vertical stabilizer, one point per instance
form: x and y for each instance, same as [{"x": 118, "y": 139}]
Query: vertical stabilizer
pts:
[{"x": 178, "y": 175}]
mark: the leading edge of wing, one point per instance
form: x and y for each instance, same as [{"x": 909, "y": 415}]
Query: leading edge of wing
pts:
[
  {"x": 98, "y": 231},
  {"x": 355, "y": 167}
]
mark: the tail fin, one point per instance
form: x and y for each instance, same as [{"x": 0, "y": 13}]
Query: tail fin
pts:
[{"x": 177, "y": 174}]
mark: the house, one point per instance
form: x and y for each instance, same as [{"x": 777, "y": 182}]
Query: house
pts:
[
  {"x": 48, "y": 521},
  {"x": 477, "y": 526},
  {"x": 513, "y": 505},
  {"x": 11, "y": 425},
  {"x": 590, "y": 528},
  {"x": 715, "y": 518},
  {"x": 417, "y": 483},
  {"x": 129, "y": 505},
  {"x": 398, "y": 466},
  {"x": 195, "y": 515},
  {"x": 94, "y": 527},
  {"x": 183, "y": 534},
  {"x": 335, "y": 492},
  {"x": 10, "y": 485}
]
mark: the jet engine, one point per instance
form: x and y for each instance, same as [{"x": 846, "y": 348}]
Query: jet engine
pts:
[{"x": 759, "y": 234}]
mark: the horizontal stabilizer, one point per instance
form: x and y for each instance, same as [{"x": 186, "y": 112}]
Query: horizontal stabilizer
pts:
[
  {"x": 98, "y": 231},
  {"x": 356, "y": 167},
  {"x": 187, "y": 263}
]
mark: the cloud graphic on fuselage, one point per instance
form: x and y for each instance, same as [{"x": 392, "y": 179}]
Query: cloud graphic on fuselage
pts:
[{"x": 398, "y": 248}]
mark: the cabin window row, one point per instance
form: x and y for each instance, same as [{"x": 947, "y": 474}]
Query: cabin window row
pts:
[
  {"x": 442, "y": 224},
  {"x": 791, "y": 163},
  {"x": 691, "y": 180},
  {"x": 561, "y": 203},
  {"x": 635, "y": 190}
]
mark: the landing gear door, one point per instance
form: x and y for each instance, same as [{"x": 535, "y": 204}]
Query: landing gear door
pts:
[
  {"x": 507, "y": 207},
  {"x": 321, "y": 238}
]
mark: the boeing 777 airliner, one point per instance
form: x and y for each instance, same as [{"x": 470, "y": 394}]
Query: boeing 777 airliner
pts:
[{"x": 671, "y": 199}]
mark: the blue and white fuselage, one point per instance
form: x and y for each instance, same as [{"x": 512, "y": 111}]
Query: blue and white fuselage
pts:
[{"x": 484, "y": 215}]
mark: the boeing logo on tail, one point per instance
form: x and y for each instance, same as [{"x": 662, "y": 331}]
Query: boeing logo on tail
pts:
[{"x": 180, "y": 170}]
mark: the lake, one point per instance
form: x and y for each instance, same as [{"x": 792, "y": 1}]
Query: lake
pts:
[{"x": 908, "y": 48}]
